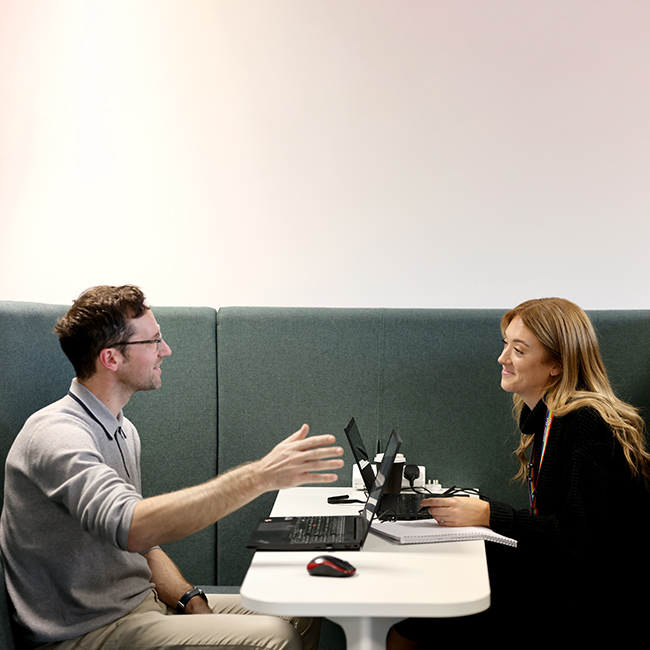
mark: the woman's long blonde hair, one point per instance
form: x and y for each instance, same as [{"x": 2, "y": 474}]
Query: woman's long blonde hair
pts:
[{"x": 569, "y": 338}]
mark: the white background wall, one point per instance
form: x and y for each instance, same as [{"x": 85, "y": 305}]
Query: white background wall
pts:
[{"x": 404, "y": 153}]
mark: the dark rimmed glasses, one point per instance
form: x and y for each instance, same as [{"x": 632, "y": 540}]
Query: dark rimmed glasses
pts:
[{"x": 158, "y": 341}]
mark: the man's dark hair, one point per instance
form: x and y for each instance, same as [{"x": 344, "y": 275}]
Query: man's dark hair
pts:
[{"x": 98, "y": 319}]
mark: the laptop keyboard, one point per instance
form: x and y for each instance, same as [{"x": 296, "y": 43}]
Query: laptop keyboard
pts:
[
  {"x": 320, "y": 529},
  {"x": 404, "y": 506}
]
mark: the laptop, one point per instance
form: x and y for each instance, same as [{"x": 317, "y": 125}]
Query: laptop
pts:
[
  {"x": 335, "y": 533},
  {"x": 405, "y": 506}
]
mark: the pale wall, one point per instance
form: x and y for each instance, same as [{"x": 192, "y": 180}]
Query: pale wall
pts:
[{"x": 429, "y": 153}]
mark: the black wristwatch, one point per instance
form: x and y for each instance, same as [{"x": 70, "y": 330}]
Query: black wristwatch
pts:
[{"x": 187, "y": 596}]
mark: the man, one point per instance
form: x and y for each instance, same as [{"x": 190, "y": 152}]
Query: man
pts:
[{"x": 80, "y": 543}]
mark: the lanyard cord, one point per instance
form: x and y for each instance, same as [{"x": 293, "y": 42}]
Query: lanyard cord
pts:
[
  {"x": 533, "y": 476},
  {"x": 118, "y": 433}
]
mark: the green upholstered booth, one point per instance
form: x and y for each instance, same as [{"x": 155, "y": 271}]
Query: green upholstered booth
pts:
[
  {"x": 241, "y": 379},
  {"x": 431, "y": 374},
  {"x": 177, "y": 424}
]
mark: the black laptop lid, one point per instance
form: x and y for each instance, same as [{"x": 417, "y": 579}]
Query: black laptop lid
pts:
[
  {"x": 379, "y": 482},
  {"x": 360, "y": 454}
]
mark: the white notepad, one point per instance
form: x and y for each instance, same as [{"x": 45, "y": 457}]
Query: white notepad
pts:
[{"x": 430, "y": 532}]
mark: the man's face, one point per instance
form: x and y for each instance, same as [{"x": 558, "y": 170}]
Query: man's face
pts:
[{"x": 140, "y": 369}]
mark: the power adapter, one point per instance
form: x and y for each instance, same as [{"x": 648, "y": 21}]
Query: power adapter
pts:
[{"x": 357, "y": 481}]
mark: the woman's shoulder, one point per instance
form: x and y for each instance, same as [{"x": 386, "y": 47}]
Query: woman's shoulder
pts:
[
  {"x": 580, "y": 413},
  {"x": 584, "y": 424}
]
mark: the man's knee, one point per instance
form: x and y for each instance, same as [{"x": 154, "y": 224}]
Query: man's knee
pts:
[{"x": 272, "y": 633}]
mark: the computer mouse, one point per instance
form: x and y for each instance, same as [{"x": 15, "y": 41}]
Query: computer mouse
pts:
[{"x": 328, "y": 565}]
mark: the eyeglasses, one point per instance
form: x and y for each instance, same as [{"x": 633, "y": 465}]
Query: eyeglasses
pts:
[{"x": 157, "y": 341}]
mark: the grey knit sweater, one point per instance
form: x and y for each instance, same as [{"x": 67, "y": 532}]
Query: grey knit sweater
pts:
[{"x": 72, "y": 483}]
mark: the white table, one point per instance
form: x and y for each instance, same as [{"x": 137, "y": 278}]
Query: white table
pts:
[{"x": 392, "y": 582}]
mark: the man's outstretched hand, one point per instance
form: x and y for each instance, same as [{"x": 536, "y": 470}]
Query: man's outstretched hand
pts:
[{"x": 300, "y": 459}]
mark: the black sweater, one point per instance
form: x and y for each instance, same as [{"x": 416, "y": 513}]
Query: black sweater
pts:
[
  {"x": 586, "y": 542},
  {"x": 579, "y": 573}
]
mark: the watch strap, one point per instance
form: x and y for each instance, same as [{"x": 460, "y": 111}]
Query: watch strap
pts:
[{"x": 187, "y": 596}]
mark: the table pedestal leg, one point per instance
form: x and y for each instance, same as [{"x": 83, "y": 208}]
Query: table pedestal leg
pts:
[{"x": 365, "y": 633}]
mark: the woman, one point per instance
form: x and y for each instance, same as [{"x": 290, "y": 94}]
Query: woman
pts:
[{"x": 582, "y": 454}]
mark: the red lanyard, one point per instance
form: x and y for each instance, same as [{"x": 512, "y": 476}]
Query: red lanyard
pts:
[{"x": 533, "y": 475}]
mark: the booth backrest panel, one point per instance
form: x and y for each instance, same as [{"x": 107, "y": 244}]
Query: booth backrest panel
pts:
[
  {"x": 33, "y": 370},
  {"x": 177, "y": 424},
  {"x": 431, "y": 374},
  {"x": 624, "y": 337}
]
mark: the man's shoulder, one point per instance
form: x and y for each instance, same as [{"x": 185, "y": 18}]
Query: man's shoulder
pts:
[
  {"x": 53, "y": 424},
  {"x": 62, "y": 409},
  {"x": 127, "y": 425}
]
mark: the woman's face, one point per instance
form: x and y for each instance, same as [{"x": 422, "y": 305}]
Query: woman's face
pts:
[{"x": 526, "y": 369}]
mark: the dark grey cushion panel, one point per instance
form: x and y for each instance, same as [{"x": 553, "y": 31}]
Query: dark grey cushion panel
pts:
[
  {"x": 214, "y": 589},
  {"x": 178, "y": 425},
  {"x": 432, "y": 374},
  {"x": 624, "y": 337},
  {"x": 6, "y": 634},
  {"x": 442, "y": 392},
  {"x": 33, "y": 370},
  {"x": 33, "y": 373},
  {"x": 277, "y": 369}
]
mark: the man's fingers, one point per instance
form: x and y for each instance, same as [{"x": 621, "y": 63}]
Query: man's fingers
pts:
[
  {"x": 313, "y": 442},
  {"x": 313, "y": 455},
  {"x": 300, "y": 459},
  {"x": 322, "y": 465},
  {"x": 300, "y": 434},
  {"x": 316, "y": 471},
  {"x": 319, "y": 478},
  {"x": 303, "y": 442}
]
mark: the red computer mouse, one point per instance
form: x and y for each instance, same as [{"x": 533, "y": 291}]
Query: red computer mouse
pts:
[{"x": 328, "y": 565}]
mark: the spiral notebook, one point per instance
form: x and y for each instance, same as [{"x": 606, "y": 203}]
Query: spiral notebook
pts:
[{"x": 430, "y": 532}]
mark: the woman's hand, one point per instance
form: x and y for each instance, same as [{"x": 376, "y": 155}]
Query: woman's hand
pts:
[{"x": 458, "y": 511}]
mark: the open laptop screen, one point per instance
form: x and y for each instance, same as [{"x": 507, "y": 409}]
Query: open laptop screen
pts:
[
  {"x": 374, "y": 496},
  {"x": 360, "y": 453}
]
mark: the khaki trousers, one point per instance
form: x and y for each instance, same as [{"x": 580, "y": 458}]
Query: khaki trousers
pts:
[{"x": 153, "y": 625}]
